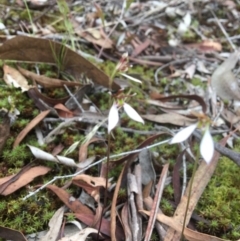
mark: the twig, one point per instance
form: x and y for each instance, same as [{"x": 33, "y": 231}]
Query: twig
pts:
[
  {"x": 94, "y": 164},
  {"x": 177, "y": 61},
  {"x": 223, "y": 30},
  {"x": 55, "y": 131},
  {"x": 74, "y": 98}
]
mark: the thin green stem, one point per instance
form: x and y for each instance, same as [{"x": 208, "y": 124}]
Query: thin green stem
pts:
[
  {"x": 29, "y": 14},
  {"x": 106, "y": 185},
  {"x": 189, "y": 194},
  {"x": 108, "y": 160}
]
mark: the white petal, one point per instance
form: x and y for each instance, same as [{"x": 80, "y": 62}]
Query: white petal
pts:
[
  {"x": 131, "y": 78},
  {"x": 183, "y": 134},
  {"x": 207, "y": 146},
  {"x": 132, "y": 113},
  {"x": 187, "y": 19},
  {"x": 113, "y": 117}
]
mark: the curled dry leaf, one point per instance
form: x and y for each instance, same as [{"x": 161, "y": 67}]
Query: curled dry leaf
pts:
[
  {"x": 72, "y": 203},
  {"x": 81, "y": 236},
  {"x": 42, "y": 101},
  {"x": 63, "y": 111},
  {"x": 13, "y": 77},
  {"x": 42, "y": 155},
  {"x": 92, "y": 181},
  {"x": 92, "y": 191}
]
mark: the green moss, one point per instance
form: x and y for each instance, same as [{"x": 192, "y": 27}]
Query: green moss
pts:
[
  {"x": 154, "y": 236},
  {"x": 220, "y": 200},
  {"x": 189, "y": 36},
  {"x": 166, "y": 207},
  {"x": 17, "y": 156},
  {"x": 20, "y": 215},
  {"x": 122, "y": 194},
  {"x": 197, "y": 82},
  {"x": 169, "y": 192},
  {"x": 70, "y": 217}
]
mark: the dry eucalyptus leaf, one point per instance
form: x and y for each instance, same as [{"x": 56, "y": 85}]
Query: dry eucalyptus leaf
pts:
[
  {"x": 22, "y": 48},
  {"x": 4, "y": 128},
  {"x": 47, "y": 82},
  {"x": 34, "y": 122},
  {"x": 148, "y": 171},
  {"x": 11, "y": 234},
  {"x": 170, "y": 118},
  {"x": 188, "y": 233},
  {"x": 55, "y": 224},
  {"x": 223, "y": 80},
  {"x": 209, "y": 45},
  {"x": 13, "y": 77},
  {"x": 22, "y": 178}
]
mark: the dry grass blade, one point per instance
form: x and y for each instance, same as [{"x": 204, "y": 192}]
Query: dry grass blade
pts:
[
  {"x": 125, "y": 223},
  {"x": 113, "y": 207},
  {"x": 157, "y": 199},
  {"x": 29, "y": 127}
]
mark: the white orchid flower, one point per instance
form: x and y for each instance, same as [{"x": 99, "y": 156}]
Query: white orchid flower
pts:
[
  {"x": 206, "y": 145},
  {"x": 113, "y": 116}
]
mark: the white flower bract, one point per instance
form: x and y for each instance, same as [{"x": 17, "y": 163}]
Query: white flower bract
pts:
[
  {"x": 183, "y": 134},
  {"x": 207, "y": 146},
  {"x": 113, "y": 117},
  {"x": 132, "y": 113}
]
